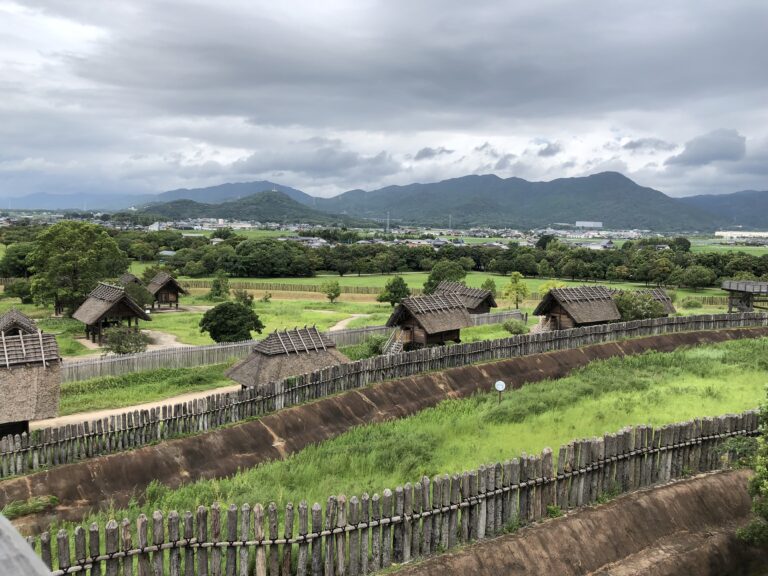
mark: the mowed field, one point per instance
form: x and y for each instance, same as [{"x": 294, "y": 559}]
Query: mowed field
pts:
[{"x": 457, "y": 435}]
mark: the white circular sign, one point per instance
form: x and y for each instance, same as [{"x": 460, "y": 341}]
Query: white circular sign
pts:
[{"x": 500, "y": 386}]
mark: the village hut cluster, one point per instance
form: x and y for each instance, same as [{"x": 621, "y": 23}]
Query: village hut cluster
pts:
[{"x": 30, "y": 373}]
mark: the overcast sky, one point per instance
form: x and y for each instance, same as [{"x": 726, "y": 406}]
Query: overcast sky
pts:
[{"x": 143, "y": 96}]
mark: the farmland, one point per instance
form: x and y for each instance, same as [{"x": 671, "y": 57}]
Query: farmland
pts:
[{"x": 654, "y": 388}]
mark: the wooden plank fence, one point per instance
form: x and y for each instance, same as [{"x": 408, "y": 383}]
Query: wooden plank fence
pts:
[
  {"x": 21, "y": 454},
  {"x": 188, "y": 356},
  {"x": 365, "y": 534},
  {"x": 287, "y": 286}
]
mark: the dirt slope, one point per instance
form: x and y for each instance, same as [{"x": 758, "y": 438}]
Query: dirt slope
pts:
[{"x": 681, "y": 529}]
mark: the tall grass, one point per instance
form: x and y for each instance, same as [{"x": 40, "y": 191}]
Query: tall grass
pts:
[
  {"x": 654, "y": 388},
  {"x": 139, "y": 387}
]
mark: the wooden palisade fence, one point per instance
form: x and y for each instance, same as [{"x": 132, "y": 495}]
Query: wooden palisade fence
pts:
[
  {"x": 47, "y": 447},
  {"x": 188, "y": 356},
  {"x": 358, "y": 536}
]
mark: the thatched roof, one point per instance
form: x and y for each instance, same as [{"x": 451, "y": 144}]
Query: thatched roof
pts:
[
  {"x": 585, "y": 304},
  {"x": 163, "y": 279},
  {"x": 13, "y": 322},
  {"x": 105, "y": 298},
  {"x": 472, "y": 297},
  {"x": 34, "y": 348},
  {"x": 661, "y": 296},
  {"x": 749, "y": 286},
  {"x": 129, "y": 278},
  {"x": 434, "y": 313},
  {"x": 284, "y": 354}
]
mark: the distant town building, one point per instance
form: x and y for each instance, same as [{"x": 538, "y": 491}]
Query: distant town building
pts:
[{"x": 588, "y": 224}]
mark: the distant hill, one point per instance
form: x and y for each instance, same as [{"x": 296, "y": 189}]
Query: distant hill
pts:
[
  {"x": 264, "y": 207},
  {"x": 608, "y": 197},
  {"x": 225, "y": 192},
  {"x": 748, "y": 208}
]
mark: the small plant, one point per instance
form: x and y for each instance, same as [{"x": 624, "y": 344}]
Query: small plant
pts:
[
  {"x": 125, "y": 340},
  {"x": 243, "y": 297},
  {"x": 608, "y": 495},
  {"x": 18, "y": 508},
  {"x": 515, "y": 327},
  {"x": 741, "y": 449},
  {"x": 691, "y": 303},
  {"x": 512, "y": 526},
  {"x": 266, "y": 298},
  {"x": 554, "y": 511}
]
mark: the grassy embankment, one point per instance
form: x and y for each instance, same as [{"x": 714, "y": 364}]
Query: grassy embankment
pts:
[
  {"x": 139, "y": 388},
  {"x": 655, "y": 388}
]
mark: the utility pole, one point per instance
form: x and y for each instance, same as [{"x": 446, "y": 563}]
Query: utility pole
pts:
[{"x": 387, "y": 222}]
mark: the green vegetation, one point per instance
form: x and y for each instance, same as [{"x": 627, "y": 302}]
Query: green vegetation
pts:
[
  {"x": 125, "y": 340},
  {"x": 19, "y": 508},
  {"x": 230, "y": 322},
  {"x": 655, "y": 388},
  {"x": 370, "y": 347},
  {"x": 139, "y": 387}
]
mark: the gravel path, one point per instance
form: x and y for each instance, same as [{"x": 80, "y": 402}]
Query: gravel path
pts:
[{"x": 344, "y": 323}]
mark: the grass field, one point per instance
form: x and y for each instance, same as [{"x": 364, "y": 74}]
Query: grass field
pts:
[
  {"x": 138, "y": 388},
  {"x": 655, "y": 388}
]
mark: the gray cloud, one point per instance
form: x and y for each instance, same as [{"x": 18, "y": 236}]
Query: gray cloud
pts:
[
  {"x": 132, "y": 98},
  {"x": 429, "y": 153},
  {"x": 727, "y": 145},
  {"x": 648, "y": 144}
]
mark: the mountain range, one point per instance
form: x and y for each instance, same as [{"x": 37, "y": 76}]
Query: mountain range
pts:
[{"x": 485, "y": 200}]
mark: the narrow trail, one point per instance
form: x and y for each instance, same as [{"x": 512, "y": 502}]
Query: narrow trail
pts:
[
  {"x": 106, "y": 413},
  {"x": 342, "y": 325}
]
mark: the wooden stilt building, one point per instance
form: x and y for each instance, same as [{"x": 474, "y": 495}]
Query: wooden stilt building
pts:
[
  {"x": 166, "y": 290},
  {"x": 108, "y": 306},
  {"x": 746, "y": 295}
]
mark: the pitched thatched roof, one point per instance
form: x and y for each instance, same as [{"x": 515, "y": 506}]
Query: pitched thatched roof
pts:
[
  {"x": 34, "y": 348},
  {"x": 585, "y": 304},
  {"x": 294, "y": 341},
  {"x": 163, "y": 279},
  {"x": 285, "y": 354},
  {"x": 103, "y": 299},
  {"x": 13, "y": 322},
  {"x": 472, "y": 297},
  {"x": 434, "y": 313},
  {"x": 661, "y": 296},
  {"x": 749, "y": 286},
  {"x": 129, "y": 278}
]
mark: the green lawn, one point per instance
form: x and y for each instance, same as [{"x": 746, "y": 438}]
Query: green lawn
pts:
[
  {"x": 457, "y": 435},
  {"x": 139, "y": 387}
]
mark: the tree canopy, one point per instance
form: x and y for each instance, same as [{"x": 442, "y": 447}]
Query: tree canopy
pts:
[
  {"x": 230, "y": 322},
  {"x": 445, "y": 270},
  {"x": 394, "y": 291},
  {"x": 69, "y": 259}
]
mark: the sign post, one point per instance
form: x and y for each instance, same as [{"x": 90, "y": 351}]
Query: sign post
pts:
[{"x": 500, "y": 387}]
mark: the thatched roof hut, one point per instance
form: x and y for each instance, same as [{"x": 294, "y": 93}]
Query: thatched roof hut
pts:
[
  {"x": 129, "y": 278},
  {"x": 565, "y": 308},
  {"x": 30, "y": 374},
  {"x": 106, "y": 306},
  {"x": 14, "y": 322},
  {"x": 433, "y": 319},
  {"x": 661, "y": 296},
  {"x": 284, "y": 354},
  {"x": 166, "y": 289},
  {"x": 476, "y": 300}
]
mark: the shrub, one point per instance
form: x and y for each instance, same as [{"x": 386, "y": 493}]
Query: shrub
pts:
[
  {"x": 368, "y": 348},
  {"x": 515, "y": 327},
  {"x": 125, "y": 340},
  {"x": 637, "y": 306},
  {"x": 230, "y": 322},
  {"x": 20, "y": 289},
  {"x": 219, "y": 288},
  {"x": 266, "y": 298},
  {"x": 243, "y": 297},
  {"x": 332, "y": 290},
  {"x": 691, "y": 303}
]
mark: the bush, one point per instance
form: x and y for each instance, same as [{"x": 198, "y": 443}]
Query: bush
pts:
[
  {"x": 20, "y": 289},
  {"x": 515, "y": 327},
  {"x": 243, "y": 297},
  {"x": 230, "y": 322},
  {"x": 266, "y": 298},
  {"x": 125, "y": 340},
  {"x": 637, "y": 306},
  {"x": 691, "y": 303},
  {"x": 332, "y": 290},
  {"x": 368, "y": 348},
  {"x": 219, "y": 288}
]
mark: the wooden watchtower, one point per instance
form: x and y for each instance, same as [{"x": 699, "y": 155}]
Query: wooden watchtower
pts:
[{"x": 746, "y": 296}]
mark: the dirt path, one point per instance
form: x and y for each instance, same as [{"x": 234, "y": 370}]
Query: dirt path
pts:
[
  {"x": 342, "y": 325},
  {"x": 162, "y": 340},
  {"x": 79, "y": 417}
]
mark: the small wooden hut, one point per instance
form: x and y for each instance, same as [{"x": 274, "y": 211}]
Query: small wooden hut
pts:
[
  {"x": 430, "y": 320},
  {"x": 129, "y": 278},
  {"x": 108, "y": 306},
  {"x": 165, "y": 289},
  {"x": 30, "y": 374},
  {"x": 476, "y": 300},
  {"x": 284, "y": 354},
  {"x": 564, "y": 308},
  {"x": 746, "y": 295},
  {"x": 661, "y": 296}
]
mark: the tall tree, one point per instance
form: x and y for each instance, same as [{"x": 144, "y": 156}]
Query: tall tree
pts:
[
  {"x": 445, "y": 270},
  {"x": 230, "y": 322},
  {"x": 517, "y": 289},
  {"x": 68, "y": 261},
  {"x": 394, "y": 291}
]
